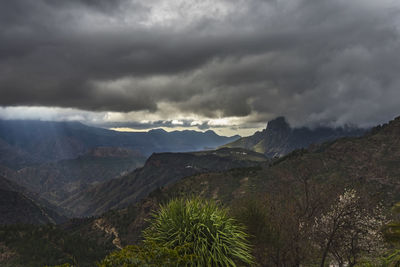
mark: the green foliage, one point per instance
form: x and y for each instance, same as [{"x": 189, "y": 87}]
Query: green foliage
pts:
[
  {"x": 51, "y": 245},
  {"x": 279, "y": 234},
  {"x": 393, "y": 260},
  {"x": 204, "y": 229},
  {"x": 151, "y": 255},
  {"x": 392, "y": 236},
  {"x": 254, "y": 213},
  {"x": 392, "y": 232},
  {"x": 392, "y": 229},
  {"x": 62, "y": 265}
]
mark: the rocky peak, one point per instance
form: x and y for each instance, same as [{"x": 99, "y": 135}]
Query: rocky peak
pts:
[
  {"x": 279, "y": 138},
  {"x": 278, "y": 125}
]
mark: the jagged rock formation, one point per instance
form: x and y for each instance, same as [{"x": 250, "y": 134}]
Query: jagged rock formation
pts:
[{"x": 279, "y": 139}]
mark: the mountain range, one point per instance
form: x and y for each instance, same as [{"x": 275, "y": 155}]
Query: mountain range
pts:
[
  {"x": 367, "y": 162},
  {"x": 279, "y": 139},
  {"x": 28, "y": 142},
  {"x": 56, "y": 160},
  {"x": 85, "y": 171}
]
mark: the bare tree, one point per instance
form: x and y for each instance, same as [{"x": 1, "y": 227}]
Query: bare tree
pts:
[{"x": 349, "y": 229}]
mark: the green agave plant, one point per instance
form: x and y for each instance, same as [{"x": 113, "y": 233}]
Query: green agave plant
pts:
[
  {"x": 204, "y": 229},
  {"x": 149, "y": 255},
  {"x": 393, "y": 260}
]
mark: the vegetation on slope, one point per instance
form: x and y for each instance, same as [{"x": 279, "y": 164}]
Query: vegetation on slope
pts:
[
  {"x": 160, "y": 170},
  {"x": 17, "y": 205},
  {"x": 368, "y": 165},
  {"x": 58, "y": 180},
  {"x": 295, "y": 194},
  {"x": 50, "y": 245}
]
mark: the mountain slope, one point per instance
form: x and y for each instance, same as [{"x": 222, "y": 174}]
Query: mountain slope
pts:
[
  {"x": 279, "y": 139},
  {"x": 51, "y": 141},
  {"x": 370, "y": 164},
  {"x": 56, "y": 181},
  {"x": 14, "y": 157},
  {"x": 159, "y": 170},
  {"x": 18, "y": 206}
]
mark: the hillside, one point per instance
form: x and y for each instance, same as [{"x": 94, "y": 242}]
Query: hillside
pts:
[
  {"x": 14, "y": 157},
  {"x": 369, "y": 163},
  {"x": 18, "y": 206},
  {"x": 42, "y": 141},
  {"x": 55, "y": 181},
  {"x": 279, "y": 139},
  {"x": 160, "y": 170}
]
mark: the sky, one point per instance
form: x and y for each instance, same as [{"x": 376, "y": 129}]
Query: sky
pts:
[{"x": 225, "y": 65}]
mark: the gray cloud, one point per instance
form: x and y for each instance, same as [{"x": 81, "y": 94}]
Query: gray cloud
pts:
[{"x": 316, "y": 62}]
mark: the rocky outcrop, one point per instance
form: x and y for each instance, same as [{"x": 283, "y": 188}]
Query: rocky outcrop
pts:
[
  {"x": 279, "y": 139},
  {"x": 102, "y": 225}
]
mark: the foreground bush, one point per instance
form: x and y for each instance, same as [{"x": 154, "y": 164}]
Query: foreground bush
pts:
[
  {"x": 150, "y": 255},
  {"x": 201, "y": 228}
]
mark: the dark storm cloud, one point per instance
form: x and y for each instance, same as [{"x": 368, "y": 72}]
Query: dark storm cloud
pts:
[{"x": 327, "y": 61}]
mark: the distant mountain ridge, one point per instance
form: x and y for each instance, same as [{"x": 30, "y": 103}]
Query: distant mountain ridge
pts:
[
  {"x": 26, "y": 142},
  {"x": 279, "y": 139},
  {"x": 55, "y": 160}
]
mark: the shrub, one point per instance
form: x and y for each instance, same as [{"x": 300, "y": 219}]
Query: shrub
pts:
[
  {"x": 203, "y": 229},
  {"x": 149, "y": 255}
]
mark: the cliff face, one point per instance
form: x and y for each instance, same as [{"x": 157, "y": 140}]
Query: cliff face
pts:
[{"x": 279, "y": 139}]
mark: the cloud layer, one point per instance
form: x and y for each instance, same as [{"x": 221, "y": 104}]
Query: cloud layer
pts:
[{"x": 316, "y": 62}]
